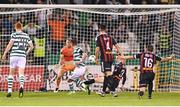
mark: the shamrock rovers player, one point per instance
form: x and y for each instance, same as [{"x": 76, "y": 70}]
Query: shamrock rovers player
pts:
[{"x": 18, "y": 45}]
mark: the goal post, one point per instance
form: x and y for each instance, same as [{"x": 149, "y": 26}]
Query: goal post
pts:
[{"x": 132, "y": 26}]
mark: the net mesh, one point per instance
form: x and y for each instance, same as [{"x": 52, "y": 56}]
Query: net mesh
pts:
[{"x": 132, "y": 28}]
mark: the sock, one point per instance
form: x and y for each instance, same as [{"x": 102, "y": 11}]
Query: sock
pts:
[
  {"x": 111, "y": 84},
  {"x": 21, "y": 80},
  {"x": 10, "y": 83},
  {"x": 71, "y": 86},
  {"x": 105, "y": 84},
  {"x": 91, "y": 81},
  {"x": 150, "y": 87},
  {"x": 140, "y": 93},
  {"x": 78, "y": 82}
]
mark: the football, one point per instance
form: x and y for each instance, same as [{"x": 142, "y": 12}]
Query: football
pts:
[{"x": 92, "y": 58}]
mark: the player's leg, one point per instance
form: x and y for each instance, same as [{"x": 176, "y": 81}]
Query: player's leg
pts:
[
  {"x": 71, "y": 86},
  {"x": 21, "y": 68},
  {"x": 71, "y": 80},
  {"x": 68, "y": 66},
  {"x": 142, "y": 84},
  {"x": 10, "y": 81},
  {"x": 95, "y": 80},
  {"x": 109, "y": 78},
  {"x": 58, "y": 79},
  {"x": 150, "y": 85},
  {"x": 105, "y": 82},
  {"x": 13, "y": 65},
  {"x": 77, "y": 74}
]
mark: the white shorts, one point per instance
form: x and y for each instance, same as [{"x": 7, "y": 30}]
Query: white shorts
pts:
[
  {"x": 78, "y": 72},
  {"x": 17, "y": 62}
]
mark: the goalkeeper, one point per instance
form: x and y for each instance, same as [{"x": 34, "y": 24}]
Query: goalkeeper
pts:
[{"x": 66, "y": 62}]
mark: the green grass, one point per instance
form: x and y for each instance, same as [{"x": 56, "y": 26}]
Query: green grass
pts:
[{"x": 82, "y": 99}]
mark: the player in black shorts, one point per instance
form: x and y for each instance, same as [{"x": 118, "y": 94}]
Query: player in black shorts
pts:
[
  {"x": 104, "y": 46},
  {"x": 119, "y": 73},
  {"x": 147, "y": 62}
]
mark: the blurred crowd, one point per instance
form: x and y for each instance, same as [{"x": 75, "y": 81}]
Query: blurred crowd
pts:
[
  {"x": 49, "y": 28},
  {"x": 90, "y": 1}
]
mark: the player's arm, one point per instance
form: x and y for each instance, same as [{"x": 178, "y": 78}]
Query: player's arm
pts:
[
  {"x": 119, "y": 50},
  {"x": 61, "y": 59},
  {"x": 97, "y": 54},
  {"x": 124, "y": 78},
  {"x": 31, "y": 47},
  {"x": 125, "y": 57},
  {"x": 97, "y": 50},
  {"x": 84, "y": 56},
  {"x": 137, "y": 56},
  {"x": 9, "y": 46},
  {"x": 166, "y": 59}
]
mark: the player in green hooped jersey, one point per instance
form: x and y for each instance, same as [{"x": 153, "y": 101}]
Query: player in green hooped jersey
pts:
[
  {"x": 20, "y": 46},
  {"x": 80, "y": 69}
]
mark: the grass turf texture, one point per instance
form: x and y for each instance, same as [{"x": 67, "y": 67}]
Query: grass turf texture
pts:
[{"x": 82, "y": 99}]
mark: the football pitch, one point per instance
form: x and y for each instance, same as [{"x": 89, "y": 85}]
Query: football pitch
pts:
[{"x": 82, "y": 99}]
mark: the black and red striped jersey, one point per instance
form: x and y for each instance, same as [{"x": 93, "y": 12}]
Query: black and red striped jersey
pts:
[
  {"x": 147, "y": 61},
  {"x": 105, "y": 43}
]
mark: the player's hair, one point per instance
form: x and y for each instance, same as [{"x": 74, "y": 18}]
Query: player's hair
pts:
[
  {"x": 149, "y": 48},
  {"x": 69, "y": 39},
  {"x": 102, "y": 27},
  {"x": 74, "y": 41},
  {"x": 18, "y": 25}
]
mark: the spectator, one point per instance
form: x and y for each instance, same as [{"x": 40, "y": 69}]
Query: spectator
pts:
[
  {"x": 102, "y": 2},
  {"x": 112, "y": 2},
  {"x": 73, "y": 27},
  {"x": 41, "y": 15},
  {"x": 144, "y": 35},
  {"x": 8, "y": 24},
  {"x": 165, "y": 41},
  {"x": 1, "y": 26},
  {"x": 57, "y": 31},
  {"x": 89, "y": 1},
  {"x": 31, "y": 28},
  {"x": 111, "y": 23},
  {"x": 23, "y": 20},
  {"x": 121, "y": 33},
  {"x": 62, "y": 1},
  {"x": 39, "y": 50}
]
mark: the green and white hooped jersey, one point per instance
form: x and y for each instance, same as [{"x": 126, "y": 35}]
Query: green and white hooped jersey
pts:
[
  {"x": 78, "y": 53},
  {"x": 21, "y": 43}
]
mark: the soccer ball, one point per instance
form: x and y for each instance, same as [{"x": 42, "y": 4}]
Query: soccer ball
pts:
[{"x": 92, "y": 58}]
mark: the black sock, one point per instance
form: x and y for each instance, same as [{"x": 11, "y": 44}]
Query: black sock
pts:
[
  {"x": 105, "y": 83},
  {"x": 140, "y": 93},
  {"x": 111, "y": 84},
  {"x": 150, "y": 87},
  {"x": 91, "y": 81}
]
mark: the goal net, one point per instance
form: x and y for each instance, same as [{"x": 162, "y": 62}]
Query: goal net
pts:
[{"x": 132, "y": 26}]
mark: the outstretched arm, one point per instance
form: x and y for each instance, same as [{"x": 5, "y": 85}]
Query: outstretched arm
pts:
[
  {"x": 125, "y": 57},
  {"x": 119, "y": 50},
  {"x": 167, "y": 58}
]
